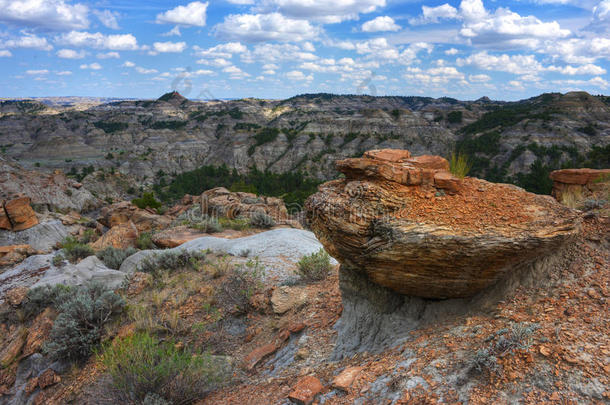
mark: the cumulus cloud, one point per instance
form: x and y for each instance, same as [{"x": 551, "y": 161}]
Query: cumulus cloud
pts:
[
  {"x": 173, "y": 32},
  {"x": 108, "y": 18},
  {"x": 377, "y": 48},
  {"x": 118, "y": 42},
  {"x": 167, "y": 47},
  {"x": 193, "y": 14},
  {"x": 63, "y": 73},
  {"x": 4, "y": 53},
  {"x": 70, "y": 54},
  {"x": 29, "y": 41},
  {"x": 224, "y": 51},
  {"x": 435, "y": 14},
  {"x": 482, "y": 78},
  {"x": 324, "y": 11},
  {"x": 128, "y": 64},
  {"x": 298, "y": 76},
  {"x": 451, "y": 51},
  {"x": 517, "y": 64},
  {"x": 378, "y": 24},
  {"x": 435, "y": 77},
  {"x": 588, "y": 69},
  {"x": 56, "y": 15},
  {"x": 265, "y": 27},
  {"x": 146, "y": 71},
  {"x": 91, "y": 66},
  {"x": 235, "y": 72}
]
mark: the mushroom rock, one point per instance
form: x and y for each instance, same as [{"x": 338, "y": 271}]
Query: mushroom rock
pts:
[
  {"x": 412, "y": 227},
  {"x": 416, "y": 243},
  {"x": 581, "y": 182}
]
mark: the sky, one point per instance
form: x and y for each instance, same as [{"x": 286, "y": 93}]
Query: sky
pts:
[{"x": 505, "y": 50}]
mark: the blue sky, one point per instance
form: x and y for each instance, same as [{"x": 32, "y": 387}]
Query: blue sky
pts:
[{"x": 279, "y": 48}]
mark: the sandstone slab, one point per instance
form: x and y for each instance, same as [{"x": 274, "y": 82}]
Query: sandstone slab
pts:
[
  {"x": 285, "y": 298},
  {"x": 346, "y": 378},
  {"x": 18, "y": 214},
  {"x": 120, "y": 236},
  {"x": 306, "y": 390},
  {"x": 124, "y": 212}
]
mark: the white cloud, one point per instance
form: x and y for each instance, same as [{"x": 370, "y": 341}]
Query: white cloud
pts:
[
  {"x": 224, "y": 51},
  {"x": 265, "y": 27},
  {"x": 435, "y": 14},
  {"x": 588, "y": 69},
  {"x": 270, "y": 66},
  {"x": 70, "y": 54},
  {"x": 5, "y": 53},
  {"x": 217, "y": 62},
  {"x": 108, "y": 55},
  {"x": 324, "y": 11},
  {"x": 128, "y": 64},
  {"x": 37, "y": 72},
  {"x": 173, "y": 32},
  {"x": 377, "y": 48},
  {"x": 378, "y": 24},
  {"x": 308, "y": 46},
  {"x": 63, "y": 73},
  {"x": 298, "y": 75},
  {"x": 56, "y": 15},
  {"x": 517, "y": 64},
  {"x": 91, "y": 66},
  {"x": 29, "y": 41},
  {"x": 145, "y": 71},
  {"x": 451, "y": 51},
  {"x": 435, "y": 77},
  {"x": 108, "y": 18},
  {"x": 166, "y": 47},
  {"x": 273, "y": 53},
  {"x": 241, "y": 2},
  {"x": 118, "y": 42},
  {"x": 193, "y": 14},
  {"x": 409, "y": 55},
  {"x": 479, "y": 78},
  {"x": 235, "y": 72}
]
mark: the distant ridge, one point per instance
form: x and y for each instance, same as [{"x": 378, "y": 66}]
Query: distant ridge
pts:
[{"x": 173, "y": 97}]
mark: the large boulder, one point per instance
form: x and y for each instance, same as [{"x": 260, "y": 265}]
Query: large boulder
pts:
[
  {"x": 408, "y": 225},
  {"x": 120, "y": 236},
  {"x": 43, "y": 236},
  {"x": 124, "y": 212},
  {"x": 575, "y": 186},
  {"x": 221, "y": 202}
]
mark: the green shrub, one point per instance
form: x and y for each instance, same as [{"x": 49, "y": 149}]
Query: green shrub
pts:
[
  {"x": 260, "y": 219},
  {"x": 39, "y": 298},
  {"x": 159, "y": 263},
  {"x": 110, "y": 127},
  {"x": 483, "y": 361},
  {"x": 58, "y": 260},
  {"x": 315, "y": 266},
  {"x": 74, "y": 250},
  {"x": 208, "y": 225},
  {"x": 146, "y": 201},
  {"x": 145, "y": 369},
  {"x": 113, "y": 257},
  {"x": 78, "y": 328},
  {"x": 459, "y": 165},
  {"x": 238, "y": 224},
  {"x": 145, "y": 241},
  {"x": 454, "y": 117}
]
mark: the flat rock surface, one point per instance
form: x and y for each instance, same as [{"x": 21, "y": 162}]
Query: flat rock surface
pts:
[{"x": 43, "y": 236}]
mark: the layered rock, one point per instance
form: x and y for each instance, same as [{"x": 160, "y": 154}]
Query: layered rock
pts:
[
  {"x": 120, "y": 236},
  {"x": 408, "y": 225},
  {"x": 17, "y": 214},
  {"x": 124, "y": 212},
  {"x": 580, "y": 183},
  {"x": 221, "y": 202}
]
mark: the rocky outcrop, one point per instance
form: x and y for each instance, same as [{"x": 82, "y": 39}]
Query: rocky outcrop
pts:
[
  {"x": 124, "y": 212},
  {"x": 17, "y": 214},
  {"x": 120, "y": 236},
  {"x": 13, "y": 254},
  {"x": 409, "y": 225},
  {"x": 53, "y": 191},
  {"x": 581, "y": 183}
]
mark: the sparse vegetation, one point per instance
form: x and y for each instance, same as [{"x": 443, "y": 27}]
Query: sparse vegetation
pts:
[
  {"x": 459, "y": 164},
  {"x": 454, "y": 117},
  {"x": 159, "y": 263},
  {"x": 315, "y": 266},
  {"x": 241, "y": 284},
  {"x": 74, "y": 249},
  {"x": 145, "y": 369},
  {"x": 146, "y": 201},
  {"x": 78, "y": 328},
  {"x": 260, "y": 219},
  {"x": 113, "y": 257},
  {"x": 145, "y": 241},
  {"x": 111, "y": 127}
]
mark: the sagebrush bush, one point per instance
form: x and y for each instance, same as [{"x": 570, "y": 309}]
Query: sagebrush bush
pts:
[
  {"x": 238, "y": 224},
  {"x": 260, "y": 219},
  {"x": 113, "y": 257},
  {"x": 145, "y": 241},
  {"x": 39, "y": 298},
  {"x": 78, "y": 328},
  {"x": 208, "y": 225},
  {"x": 74, "y": 250},
  {"x": 241, "y": 284},
  {"x": 144, "y": 369},
  {"x": 159, "y": 263},
  {"x": 315, "y": 266}
]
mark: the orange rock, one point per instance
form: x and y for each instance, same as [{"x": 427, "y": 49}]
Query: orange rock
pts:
[
  {"x": 447, "y": 181},
  {"x": 391, "y": 155},
  {"x": 119, "y": 236},
  {"x": 47, "y": 378},
  {"x": 13, "y": 349},
  {"x": 345, "y": 379},
  {"x": 429, "y": 162},
  {"x": 39, "y": 332},
  {"x": 578, "y": 176},
  {"x": 173, "y": 237},
  {"x": 306, "y": 390},
  {"x": 258, "y": 354},
  {"x": 15, "y": 253},
  {"x": 16, "y": 295},
  {"x": 19, "y": 213}
]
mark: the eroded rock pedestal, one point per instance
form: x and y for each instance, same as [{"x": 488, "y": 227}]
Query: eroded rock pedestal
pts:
[{"x": 412, "y": 227}]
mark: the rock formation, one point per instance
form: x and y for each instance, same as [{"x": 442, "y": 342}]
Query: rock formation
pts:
[
  {"x": 17, "y": 214},
  {"x": 123, "y": 212},
  {"x": 582, "y": 183},
  {"x": 412, "y": 227},
  {"x": 120, "y": 236}
]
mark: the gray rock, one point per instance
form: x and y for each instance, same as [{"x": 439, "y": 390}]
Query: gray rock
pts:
[
  {"x": 278, "y": 250},
  {"x": 43, "y": 236}
]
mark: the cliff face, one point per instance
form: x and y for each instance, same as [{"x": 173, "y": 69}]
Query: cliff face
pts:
[{"x": 306, "y": 133}]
